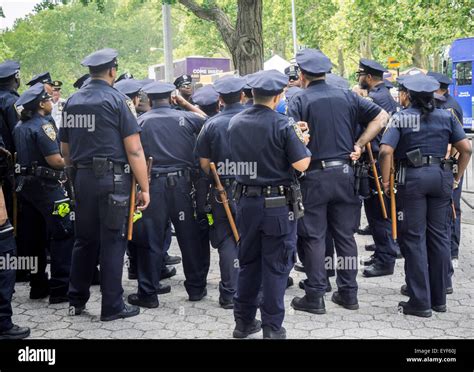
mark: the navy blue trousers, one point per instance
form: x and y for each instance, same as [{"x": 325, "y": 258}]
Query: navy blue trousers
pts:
[
  {"x": 169, "y": 201},
  {"x": 94, "y": 238},
  {"x": 267, "y": 254},
  {"x": 424, "y": 214},
  {"x": 7, "y": 281},
  {"x": 330, "y": 203}
]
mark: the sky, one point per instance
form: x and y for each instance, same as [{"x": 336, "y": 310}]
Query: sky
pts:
[{"x": 15, "y": 9}]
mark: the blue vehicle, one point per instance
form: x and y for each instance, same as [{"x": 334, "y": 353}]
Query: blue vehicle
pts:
[{"x": 459, "y": 66}]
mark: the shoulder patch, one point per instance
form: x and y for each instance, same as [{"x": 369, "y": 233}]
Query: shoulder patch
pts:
[
  {"x": 298, "y": 132},
  {"x": 50, "y": 131},
  {"x": 131, "y": 107}
]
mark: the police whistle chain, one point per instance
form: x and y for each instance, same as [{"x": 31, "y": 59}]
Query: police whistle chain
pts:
[
  {"x": 393, "y": 204},
  {"x": 225, "y": 202},
  {"x": 377, "y": 181}
]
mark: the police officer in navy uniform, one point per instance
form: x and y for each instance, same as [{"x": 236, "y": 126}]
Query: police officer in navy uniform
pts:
[
  {"x": 207, "y": 99},
  {"x": 446, "y": 101},
  {"x": 9, "y": 84},
  {"x": 417, "y": 139},
  {"x": 40, "y": 170},
  {"x": 169, "y": 137},
  {"x": 248, "y": 95},
  {"x": 184, "y": 85},
  {"x": 382, "y": 262},
  {"x": 264, "y": 138},
  {"x": 333, "y": 116},
  {"x": 99, "y": 152},
  {"x": 213, "y": 146}
]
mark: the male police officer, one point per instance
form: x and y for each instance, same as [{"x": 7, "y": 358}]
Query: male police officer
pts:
[
  {"x": 333, "y": 116},
  {"x": 207, "y": 99},
  {"x": 58, "y": 102},
  {"x": 370, "y": 76},
  {"x": 183, "y": 84},
  {"x": 169, "y": 137},
  {"x": 213, "y": 145},
  {"x": 260, "y": 137},
  {"x": 99, "y": 152}
]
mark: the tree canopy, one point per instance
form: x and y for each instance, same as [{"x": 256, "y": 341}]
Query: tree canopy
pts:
[{"x": 57, "y": 35}]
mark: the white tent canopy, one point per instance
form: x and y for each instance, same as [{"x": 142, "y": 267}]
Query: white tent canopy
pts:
[{"x": 276, "y": 63}]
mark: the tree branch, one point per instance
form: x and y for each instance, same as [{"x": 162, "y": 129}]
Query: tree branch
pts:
[{"x": 216, "y": 15}]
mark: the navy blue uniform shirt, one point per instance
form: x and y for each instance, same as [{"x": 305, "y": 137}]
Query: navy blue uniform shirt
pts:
[
  {"x": 333, "y": 116},
  {"x": 169, "y": 136},
  {"x": 35, "y": 139},
  {"x": 262, "y": 138},
  {"x": 95, "y": 121},
  {"x": 213, "y": 141},
  {"x": 451, "y": 103},
  {"x": 8, "y": 117},
  {"x": 432, "y": 135}
]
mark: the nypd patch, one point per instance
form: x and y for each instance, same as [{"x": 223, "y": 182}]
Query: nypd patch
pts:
[
  {"x": 50, "y": 131},
  {"x": 298, "y": 132},
  {"x": 131, "y": 107}
]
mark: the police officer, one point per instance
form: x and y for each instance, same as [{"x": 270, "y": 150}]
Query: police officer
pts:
[
  {"x": 248, "y": 100},
  {"x": 40, "y": 171},
  {"x": 185, "y": 89},
  {"x": 169, "y": 137},
  {"x": 9, "y": 84},
  {"x": 213, "y": 146},
  {"x": 58, "y": 102},
  {"x": 333, "y": 115},
  {"x": 8, "y": 330},
  {"x": 292, "y": 72},
  {"x": 207, "y": 99},
  {"x": 99, "y": 152},
  {"x": 417, "y": 139},
  {"x": 43, "y": 78},
  {"x": 382, "y": 262},
  {"x": 261, "y": 137},
  {"x": 446, "y": 101}
]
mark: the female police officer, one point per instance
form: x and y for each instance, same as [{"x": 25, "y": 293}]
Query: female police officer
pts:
[
  {"x": 418, "y": 138},
  {"x": 39, "y": 171}
]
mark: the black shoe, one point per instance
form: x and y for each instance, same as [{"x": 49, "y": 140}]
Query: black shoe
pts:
[
  {"x": 172, "y": 260},
  {"x": 328, "y": 288},
  {"x": 199, "y": 296},
  {"x": 127, "y": 312},
  {"x": 370, "y": 247},
  {"x": 368, "y": 261},
  {"x": 407, "y": 310},
  {"x": 163, "y": 289},
  {"x": 242, "y": 330},
  {"x": 269, "y": 333},
  {"x": 168, "y": 272},
  {"x": 37, "y": 293},
  {"x": 96, "y": 278},
  {"x": 134, "y": 299},
  {"x": 377, "y": 269},
  {"x": 76, "y": 310},
  {"x": 454, "y": 257},
  {"x": 15, "y": 333},
  {"x": 449, "y": 290},
  {"x": 289, "y": 282},
  {"x": 440, "y": 308},
  {"x": 337, "y": 299},
  {"x": 226, "y": 304},
  {"x": 365, "y": 231},
  {"x": 299, "y": 268},
  {"x": 58, "y": 299},
  {"x": 313, "y": 306}
]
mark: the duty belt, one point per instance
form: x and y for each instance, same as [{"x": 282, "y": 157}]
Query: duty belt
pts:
[
  {"x": 178, "y": 173},
  {"x": 426, "y": 161},
  {"x": 323, "y": 164},
  {"x": 43, "y": 172},
  {"x": 267, "y": 191}
]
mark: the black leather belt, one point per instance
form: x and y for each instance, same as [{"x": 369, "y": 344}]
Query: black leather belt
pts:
[
  {"x": 43, "y": 172},
  {"x": 179, "y": 173},
  {"x": 266, "y": 191},
  {"x": 323, "y": 164},
  {"x": 426, "y": 161}
]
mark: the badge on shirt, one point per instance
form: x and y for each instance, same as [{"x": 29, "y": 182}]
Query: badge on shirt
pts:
[
  {"x": 131, "y": 107},
  {"x": 298, "y": 132},
  {"x": 50, "y": 131}
]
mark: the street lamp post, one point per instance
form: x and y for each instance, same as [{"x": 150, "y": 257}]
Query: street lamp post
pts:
[
  {"x": 167, "y": 41},
  {"x": 293, "y": 16}
]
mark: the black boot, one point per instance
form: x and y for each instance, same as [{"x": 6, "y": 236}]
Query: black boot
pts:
[
  {"x": 150, "y": 303},
  {"x": 172, "y": 260},
  {"x": 377, "y": 269},
  {"x": 15, "y": 333},
  {"x": 314, "y": 305},
  {"x": 167, "y": 272},
  {"x": 127, "y": 312},
  {"x": 243, "y": 330},
  {"x": 269, "y": 333},
  {"x": 370, "y": 247},
  {"x": 337, "y": 299},
  {"x": 406, "y": 309},
  {"x": 365, "y": 231}
]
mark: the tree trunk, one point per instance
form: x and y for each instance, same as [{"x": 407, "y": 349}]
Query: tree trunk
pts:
[
  {"x": 340, "y": 62},
  {"x": 245, "y": 40}
]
